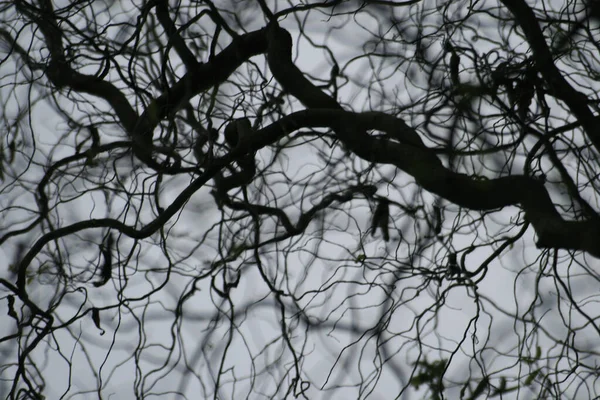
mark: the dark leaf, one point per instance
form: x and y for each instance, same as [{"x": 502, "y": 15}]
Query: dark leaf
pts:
[
  {"x": 381, "y": 218},
  {"x": 11, "y": 307},
  {"x": 96, "y": 319}
]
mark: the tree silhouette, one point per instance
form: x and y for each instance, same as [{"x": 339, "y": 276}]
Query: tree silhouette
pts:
[{"x": 264, "y": 199}]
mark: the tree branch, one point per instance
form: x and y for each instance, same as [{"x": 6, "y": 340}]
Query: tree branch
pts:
[
  {"x": 198, "y": 79},
  {"x": 412, "y": 157},
  {"x": 575, "y": 100}
]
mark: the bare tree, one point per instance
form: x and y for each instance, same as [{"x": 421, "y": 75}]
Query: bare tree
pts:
[{"x": 268, "y": 199}]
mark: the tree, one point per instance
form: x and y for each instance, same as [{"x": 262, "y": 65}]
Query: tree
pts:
[{"x": 335, "y": 199}]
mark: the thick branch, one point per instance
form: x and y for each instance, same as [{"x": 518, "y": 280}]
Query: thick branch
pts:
[
  {"x": 61, "y": 74},
  {"x": 207, "y": 75},
  {"x": 415, "y": 160},
  {"x": 576, "y": 101},
  {"x": 140, "y": 128},
  {"x": 186, "y": 55},
  {"x": 411, "y": 156}
]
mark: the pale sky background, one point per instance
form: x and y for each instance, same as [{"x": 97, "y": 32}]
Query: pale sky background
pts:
[{"x": 459, "y": 326}]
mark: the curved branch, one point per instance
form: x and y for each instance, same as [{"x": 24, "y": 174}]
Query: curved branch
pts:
[
  {"x": 130, "y": 231},
  {"x": 186, "y": 55},
  {"x": 61, "y": 74},
  {"x": 414, "y": 158},
  {"x": 575, "y": 100},
  {"x": 140, "y": 128}
]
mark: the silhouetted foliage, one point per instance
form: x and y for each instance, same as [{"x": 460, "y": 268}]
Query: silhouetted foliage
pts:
[{"x": 325, "y": 199}]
